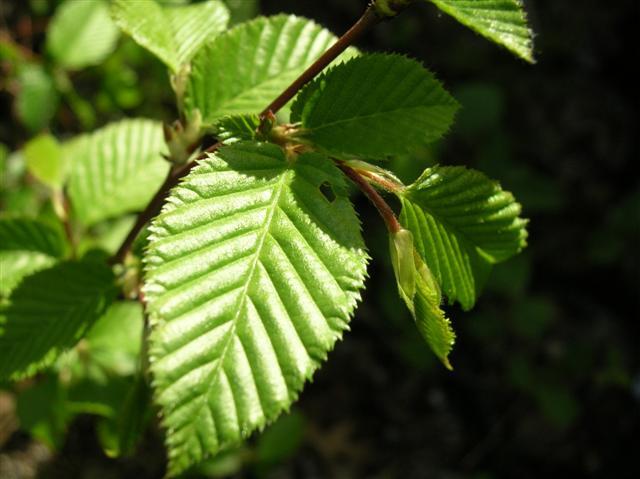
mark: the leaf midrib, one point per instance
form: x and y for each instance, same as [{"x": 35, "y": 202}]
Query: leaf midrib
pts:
[
  {"x": 271, "y": 209},
  {"x": 383, "y": 113}
]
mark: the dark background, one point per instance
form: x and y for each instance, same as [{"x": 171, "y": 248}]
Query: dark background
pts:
[{"x": 546, "y": 379}]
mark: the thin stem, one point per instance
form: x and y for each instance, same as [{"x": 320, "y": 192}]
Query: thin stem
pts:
[
  {"x": 378, "y": 201},
  {"x": 66, "y": 223},
  {"x": 368, "y": 19},
  {"x": 381, "y": 181},
  {"x": 155, "y": 205}
]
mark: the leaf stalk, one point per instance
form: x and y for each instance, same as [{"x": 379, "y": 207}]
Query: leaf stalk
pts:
[{"x": 389, "y": 217}]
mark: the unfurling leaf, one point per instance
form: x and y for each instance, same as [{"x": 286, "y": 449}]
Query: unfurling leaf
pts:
[
  {"x": 251, "y": 277},
  {"x": 421, "y": 293}
]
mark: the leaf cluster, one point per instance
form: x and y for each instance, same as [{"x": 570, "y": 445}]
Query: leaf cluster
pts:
[{"x": 252, "y": 270}]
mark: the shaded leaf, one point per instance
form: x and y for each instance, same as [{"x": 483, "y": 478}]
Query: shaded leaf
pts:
[
  {"x": 26, "y": 246},
  {"x": 37, "y": 99},
  {"x": 238, "y": 128},
  {"x": 114, "y": 340},
  {"x": 49, "y": 312}
]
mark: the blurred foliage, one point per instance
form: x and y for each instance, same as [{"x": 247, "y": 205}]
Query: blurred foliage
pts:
[{"x": 547, "y": 372}]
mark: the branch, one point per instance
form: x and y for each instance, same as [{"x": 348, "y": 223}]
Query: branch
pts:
[
  {"x": 368, "y": 19},
  {"x": 377, "y": 11},
  {"x": 378, "y": 201},
  {"x": 155, "y": 205}
]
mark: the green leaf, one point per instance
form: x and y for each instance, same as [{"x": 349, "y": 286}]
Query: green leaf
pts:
[
  {"x": 374, "y": 106},
  {"x": 42, "y": 411},
  {"x": 81, "y": 34},
  {"x": 281, "y": 439},
  {"x": 45, "y": 161},
  {"x": 173, "y": 33},
  {"x": 462, "y": 222},
  {"x": 37, "y": 100},
  {"x": 114, "y": 341},
  {"x": 237, "y": 128},
  {"x": 116, "y": 169},
  {"x": 26, "y": 246},
  {"x": 49, "y": 312},
  {"x": 251, "y": 277},
  {"x": 242, "y": 10},
  {"x": 501, "y": 21},
  {"x": 244, "y": 69},
  {"x": 133, "y": 416},
  {"x": 420, "y": 292}
]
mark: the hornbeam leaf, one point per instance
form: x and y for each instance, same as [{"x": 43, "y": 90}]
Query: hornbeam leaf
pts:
[
  {"x": 45, "y": 160},
  {"x": 173, "y": 34},
  {"x": 252, "y": 275},
  {"x": 238, "y": 128},
  {"x": 26, "y": 246},
  {"x": 421, "y": 293},
  {"x": 37, "y": 100},
  {"x": 501, "y": 21},
  {"x": 374, "y": 106},
  {"x": 242, "y": 70},
  {"x": 462, "y": 222},
  {"x": 49, "y": 312},
  {"x": 116, "y": 169},
  {"x": 81, "y": 33}
]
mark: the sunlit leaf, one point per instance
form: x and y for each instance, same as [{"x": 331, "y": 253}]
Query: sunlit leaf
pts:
[
  {"x": 373, "y": 106},
  {"x": 252, "y": 275}
]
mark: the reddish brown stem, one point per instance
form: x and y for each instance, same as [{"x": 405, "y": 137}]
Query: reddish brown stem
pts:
[
  {"x": 381, "y": 181},
  {"x": 368, "y": 19},
  {"x": 378, "y": 201}
]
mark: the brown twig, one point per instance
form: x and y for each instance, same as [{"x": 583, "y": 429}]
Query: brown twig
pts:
[
  {"x": 381, "y": 181},
  {"x": 378, "y": 201},
  {"x": 66, "y": 223},
  {"x": 368, "y": 19}
]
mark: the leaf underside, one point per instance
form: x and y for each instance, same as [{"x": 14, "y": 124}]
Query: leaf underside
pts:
[
  {"x": 462, "y": 222},
  {"x": 501, "y": 21},
  {"x": 251, "y": 277},
  {"x": 49, "y": 312},
  {"x": 173, "y": 34},
  {"x": 245, "y": 68},
  {"x": 116, "y": 169},
  {"x": 374, "y": 106}
]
